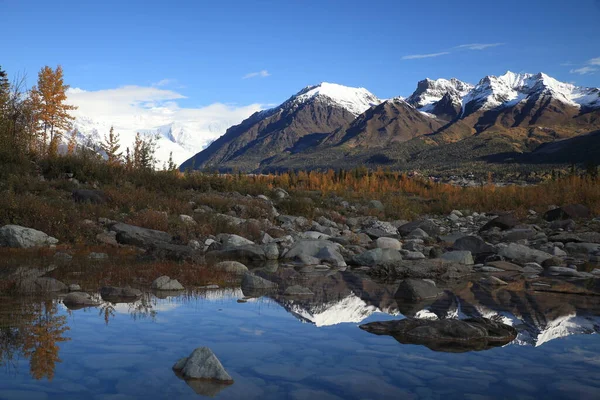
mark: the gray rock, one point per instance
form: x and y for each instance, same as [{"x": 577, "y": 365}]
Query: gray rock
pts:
[
  {"x": 115, "y": 294},
  {"x": 474, "y": 244},
  {"x": 297, "y": 290},
  {"x": 252, "y": 284},
  {"x": 249, "y": 253},
  {"x": 488, "y": 268},
  {"x": 503, "y": 222},
  {"x": 271, "y": 251},
  {"x": 376, "y": 256},
  {"x": 426, "y": 225},
  {"x": 582, "y": 248},
  {"x": 187, "y": 219},
  {"x": 166, "y": 283},
  {"x": 21, "y": 237},
  {"x": 229, "y": 240},
  {"x": 138, "y": 236},
  {"x": 315, "y": 249},
  {"x": 565, "y": 271},
  {"x": 376, "y": 204},
  {"x": 97, "y": 256},
  {"x": 413, "y": 255},
  {"x": 109, "y": 238},
  {"x": 231, "y": 267},
  {"x": 572, "y": 211},
  {"x": 63, "y": 257},
  {"x": 493, "y": 281},
  {"x": 40, "y": 285},
  {"x": 582, "y": 237},
  {"x": 280, "y": 194},
  {"x": 389, "y": 243},
  {"x": 73, "y": 287},
  {"x": 515, "y": 235},
  {"x": 417, "y": 289},
  {"x": 202, "y": 364},
  {"x": 523, "y": 254},
  {"x": 461, "y": 256},
  {"x": 451, "y": 335},
  {"x": 418, "y": 233},
  {"x": 77, "y": 300}
]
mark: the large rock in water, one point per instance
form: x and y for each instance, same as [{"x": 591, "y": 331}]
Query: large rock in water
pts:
[
  {"x": 377, "y": 256},
  {"x": 22, "y": 237},
  {"x": 249, "y": 253},
  {"x": 40, "y": 285},
  {"x": 232, "y": 267},
  {"x": 117, "y": 294},
  {"x": 202, "y": 364},
  {"x": 572, "y": 211},
  {"x": 449, "y": 335},
  {"x": 138, "y": 236},
  {"x": 474, "y": 244},
  {"x": 77, "y": 300},
  {"x": 255, "y": 286},
  {"x": 166, "y": 283},
  {"x": 460, "y": 256},
  {"x": 417, "y": 289}
]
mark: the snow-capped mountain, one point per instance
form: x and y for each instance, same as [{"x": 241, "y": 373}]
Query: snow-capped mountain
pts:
[
  {"x": 511, "y": 88},
  {"x": 431, "y": 91},
  {"x": 355, "y": 100},
  {"x": 349, "y": 309}
]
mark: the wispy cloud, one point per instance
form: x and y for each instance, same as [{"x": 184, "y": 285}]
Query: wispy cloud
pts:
[
  {"x": 260, "y": 74},
  {"x": 478, "y": 46},
  {"x": 418, "y": 56},
  {"x": 584, "y": 70},
  {"x": 164, "y": 82},
  {"x": 594, "y": 61}
]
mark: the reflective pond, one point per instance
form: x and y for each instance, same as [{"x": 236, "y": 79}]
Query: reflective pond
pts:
[{"x": 278, "y": 347}]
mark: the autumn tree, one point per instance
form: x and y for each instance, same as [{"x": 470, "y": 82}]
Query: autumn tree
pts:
[
  {"x": 111, "y": 147},
  {"x": 72, "y": 144},
  {"x": 48, "y": 100}
]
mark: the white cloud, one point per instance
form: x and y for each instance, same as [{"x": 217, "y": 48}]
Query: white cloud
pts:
[
  {"x": 132, "y": 109},
  {"x": 478, "y": 46},
  {"x": 594, "y": 61},
  {"x": 260, "y": 74},
  {"x": 584, "y": 70},
  {"x": 419, "y": 56},
  {"x": 163, "y": 82}
]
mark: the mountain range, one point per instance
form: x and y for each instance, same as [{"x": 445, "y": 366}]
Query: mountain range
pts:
[{"x": 528, "y": 118}]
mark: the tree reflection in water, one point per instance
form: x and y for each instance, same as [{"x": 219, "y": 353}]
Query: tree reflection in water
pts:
[{"x": 34, "y": 330}]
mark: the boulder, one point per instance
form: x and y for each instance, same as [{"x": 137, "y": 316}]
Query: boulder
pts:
[
  {"x": 88, "y": 196},
  {"x": 271, "y": 251},
  {"x": 40, "y": 285},
  {"x": 492, "y": 281},
  {"x": 78, "y": 300},
  {"x": 414, "y": 290},
  {"x": 166, "y": 283},
  {"x": 582, "y": 248},
  {"x": 506, "y": 221},
  {"x": 297, "y": 290},
  {"x": 426, "y": 225},
  {"x": 202, "y": 364},
  {"x": 582, "y": 237},
  {"x": 254, "y": 286},
  {"x": 514, "y": 235},
  {"x": 418, "y": 234},
  {"x": 474, "y": 244},
  {"x": 22, "y": 237},
  {"x": 248, "y": 253},
  {"x": 233, "y": 267},
  {"x": 73, "y": 287},
  {"x": 118, "y": 294},
  {"x": 389, "y": 243},
  {"x": 572, "y": 211},
  {"x": 448, "y": 335},
  {"x": 280, "y": 194},
  {"x": 138, "y": 236},
  {"x": 413, "y": 255},
  {"x": 461, "y": 256},
  {"x": 187, "y": 219},
  {"x": 316, "y": 249},
  {"x": 229, "y": 240},
  {"x": 377, "y": 205},
  {"x": 523, "y": 254},
  {"x": 376, "y": 256}
]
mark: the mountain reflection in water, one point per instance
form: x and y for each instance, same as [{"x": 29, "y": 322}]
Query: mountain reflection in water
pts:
[{"x": 147, "y": 336}]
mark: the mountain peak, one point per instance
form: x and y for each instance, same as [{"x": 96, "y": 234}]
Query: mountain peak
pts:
[
  {"x": 354, "y": 100},
  {"x": 430, "y": 91}
]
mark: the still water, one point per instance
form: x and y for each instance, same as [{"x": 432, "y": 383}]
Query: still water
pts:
[{"x": 278, "y": 348}]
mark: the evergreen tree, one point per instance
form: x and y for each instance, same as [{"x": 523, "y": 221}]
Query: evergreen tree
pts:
[
  {"x": 4, "y": 92},
  {"x": 48, "y": 102},
  {"x": 111, "y": 147}
]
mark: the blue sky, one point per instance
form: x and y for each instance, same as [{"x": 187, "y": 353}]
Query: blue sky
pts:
[{"x": 209, "y": 51}]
